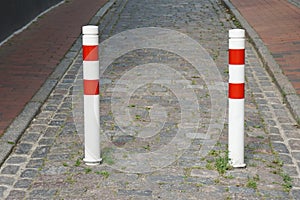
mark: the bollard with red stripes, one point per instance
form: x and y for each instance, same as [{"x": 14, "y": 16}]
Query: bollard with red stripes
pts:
[
  {"x": 90, "y": 43},
  {"x": 236, "y": 97}
]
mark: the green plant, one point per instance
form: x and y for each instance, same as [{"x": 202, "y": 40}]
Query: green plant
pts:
[
  {"x": 256, "y": 177},
  {"x": 10, "y": 142},
  {"x": 257, "y": 126},
  {"x": 213, "y": 153},
  {"x": 105, "y": 174},
  {"x": 209, "y": 166},
  {"x": 252, "y": 164},
  {"x": 70, "y": 179},
  {"x": 106, "y": 156},
  {"x": 222, "y": 163},
  {"x": 77, "y": 163},
  {"x": 278, "y": 162},
  {"x": 87, "y": 170},
  {"x": 287, "y": 185},
  {"x": 217, "y": 180},
  {"x": 199, "y": 185},
  {"x": 251, "y": 183},
  {"x": 229, "y": 177},
  {"x": 147, "y": 147}
]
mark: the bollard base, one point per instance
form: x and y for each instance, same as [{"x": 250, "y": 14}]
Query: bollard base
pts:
[
  {"x": 92, "y": 162},
  {"x": 239, "y": 166}
]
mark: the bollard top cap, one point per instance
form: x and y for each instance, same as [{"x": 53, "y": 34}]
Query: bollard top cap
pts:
[
  {"x": 237, "y": 33},
  {"x": 90, "y": 30}
]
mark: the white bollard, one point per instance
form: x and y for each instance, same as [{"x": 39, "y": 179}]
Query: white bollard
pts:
[
  {"x": 90, "y": 43},
  {"x": 236, "y": 97}
]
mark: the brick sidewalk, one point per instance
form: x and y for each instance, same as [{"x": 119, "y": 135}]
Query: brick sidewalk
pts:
[
  {"x": 30, "y": 57},
  {"x": 277, "y": 23}
]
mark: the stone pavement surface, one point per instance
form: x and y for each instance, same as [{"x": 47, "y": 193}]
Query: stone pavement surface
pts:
[
  {"x": 30, "y": 57},
  {"x": 274, "y": 29},
  {"x": 47, "y": 161}
]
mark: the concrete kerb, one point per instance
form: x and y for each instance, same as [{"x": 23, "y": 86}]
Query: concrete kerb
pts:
[
  {"x": 15, "y": 130},
  {"x": 287, "y": 90}
]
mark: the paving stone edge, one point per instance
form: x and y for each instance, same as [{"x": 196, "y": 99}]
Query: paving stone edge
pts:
[
  {"x": 15, "y": 130},
  {"x": 287, "y": 90}
]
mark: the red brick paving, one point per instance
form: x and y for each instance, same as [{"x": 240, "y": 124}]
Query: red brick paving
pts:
[
  {"x": 278, "y": 24},
  {"x": 28, "y": 58}
]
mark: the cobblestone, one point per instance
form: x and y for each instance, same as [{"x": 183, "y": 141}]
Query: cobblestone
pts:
[
  {"x": 50, "y": 166},
  {"x": 6, "y": 180},
  {"x": 10, "y": 169},
  {"x": 16, "y": 194},
  {"x": 40, "y": 152},
  {"x": 16, "y": 160},
  {"x": 23, "y": 183},
  {"x": 36, "y": 163},
  {"x": 2, "y": 190},
  {"x": 23, "y": 148},
  {"x": 28, "y": 173}
]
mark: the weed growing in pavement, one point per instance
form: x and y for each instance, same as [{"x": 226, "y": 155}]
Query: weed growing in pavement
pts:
[
  {"x": 222, "y": 163},
  {"x": 137, "y": 117},
  {"x": 107, "y": 157},
  {"x": 147, "y": 147},
  {"x": 77, "y": 163},
  {"x": 227, "y": 189},
  {"x": 105, "y": 174},
  {"x": 251, "y": 183},
  {"x": 217, "y": 181},
  {"x": 87, "y": 170},
  {"x": 70, "y": 179},
  {"x": 209, "y": 166},
  {"x": 287, "y": 185},
  {"x": 236, "y": 22},
  {"x": 278, "y": 164},
  {"x": 229, "y": 177},
  {"x": 199, "y": 185}
]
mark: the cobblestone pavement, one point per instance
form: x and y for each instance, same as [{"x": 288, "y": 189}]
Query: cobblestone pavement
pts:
[{"x": 47, "y": 161}]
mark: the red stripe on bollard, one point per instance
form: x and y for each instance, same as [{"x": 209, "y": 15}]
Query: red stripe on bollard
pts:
[
  {"x": 236, "y": 90},
  {"x": 236, "y": 56},
  {"x": 90, "y": 53},
  {"x": 91, "y": 87}
]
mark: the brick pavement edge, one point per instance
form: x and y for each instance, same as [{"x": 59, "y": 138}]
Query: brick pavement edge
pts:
[
  {"x": 288, "y": 92},
  {"x": 21, "y": 122}
]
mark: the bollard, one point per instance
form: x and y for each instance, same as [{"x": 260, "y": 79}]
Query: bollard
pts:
[
  {"x": 91, "y": 95},
  {"x": 236, "y": 97}
]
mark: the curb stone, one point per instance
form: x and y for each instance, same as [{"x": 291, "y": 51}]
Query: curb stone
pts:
[
  {"x": 21, "y": 122},
  {"x": 287, "y": 90},
  {"x": 295, "y": 2}
]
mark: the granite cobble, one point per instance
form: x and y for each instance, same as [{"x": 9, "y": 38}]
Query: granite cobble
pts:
[{"x": 47, "y": 162}]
